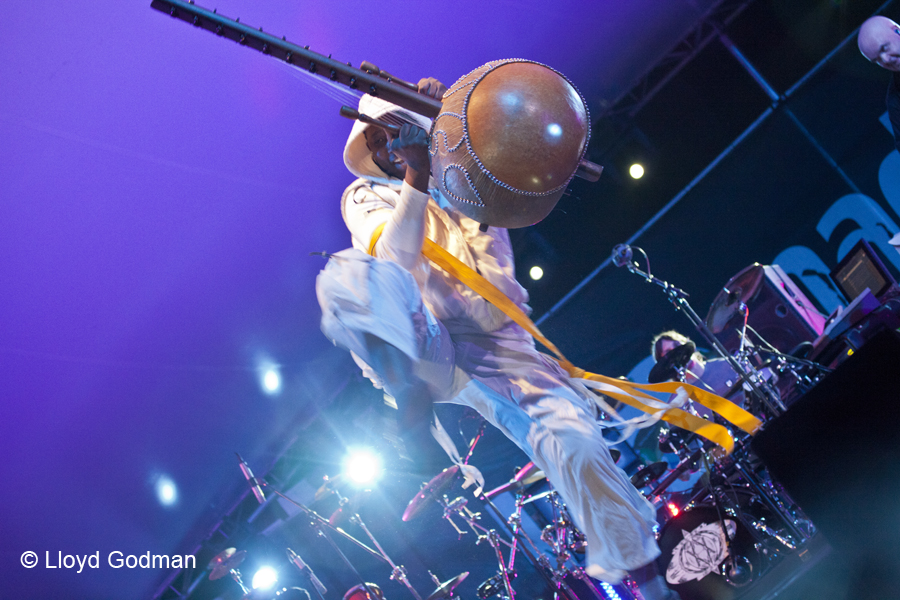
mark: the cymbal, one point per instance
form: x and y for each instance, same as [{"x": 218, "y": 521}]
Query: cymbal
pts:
[
  {"x": 438, "y": 484},
  {"x": 531, "y": 499},
  {"x": 445, "y": 590},
  {"x": 529, "y": 474},
  {"x": 667, "y": 366},
  {"x": 741, "y": 289},
  {"x": 648, "y": 474},
  {"x": 225, "y": 561},
  {"x": 524, "y": 477}
]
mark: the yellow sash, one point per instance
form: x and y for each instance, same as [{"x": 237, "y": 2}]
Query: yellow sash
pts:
[{"x": 624, "y": 391}]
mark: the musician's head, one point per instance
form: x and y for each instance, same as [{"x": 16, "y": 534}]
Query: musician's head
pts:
[
  {"x": 665, "y": 342},
  {"x": 879, "y": 42},
  {"x": 378, "y": 142},
  {"x": 366, "y": 153}
]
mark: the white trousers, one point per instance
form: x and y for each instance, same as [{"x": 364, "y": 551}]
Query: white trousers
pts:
[{"x": 517, "y": 389}]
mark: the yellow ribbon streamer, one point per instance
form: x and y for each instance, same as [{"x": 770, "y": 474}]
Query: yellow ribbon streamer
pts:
[{"x": 628, "y": 392}]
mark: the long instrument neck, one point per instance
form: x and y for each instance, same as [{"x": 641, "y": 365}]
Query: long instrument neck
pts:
[{"x": 300, "y": 56}]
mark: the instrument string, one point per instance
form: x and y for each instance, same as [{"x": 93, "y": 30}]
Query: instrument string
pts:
[
  {"x": 338, "y": 92},
  {"x": 332, "y": 89}
]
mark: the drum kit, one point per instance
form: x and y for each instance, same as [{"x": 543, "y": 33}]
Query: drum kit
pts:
[
  {"x": 560, "y": 535},
  {"x": 228, "y": 560},
  {"x": 735, "y": 522},
  {"x": 723, "y": 522}
]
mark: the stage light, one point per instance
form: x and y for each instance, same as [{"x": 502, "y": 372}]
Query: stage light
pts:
[
  {"x": 673, "y": 509},
  {"x": 166, "y": 491},
  {"x": 264, "y": 578},
  {"x": 636, "y": 171},
  {"x": 268, "y": 373},
  {"x": 271, "y": 380},
  {"x": 362, "y": 466},
  {"x": 536, "y": 272}
]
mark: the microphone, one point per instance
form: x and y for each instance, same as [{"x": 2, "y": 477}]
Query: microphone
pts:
[
  {"x": 298, "y": 562},
  {"x": 255, "y": 485},
  {"x": 622, "y": 255}
]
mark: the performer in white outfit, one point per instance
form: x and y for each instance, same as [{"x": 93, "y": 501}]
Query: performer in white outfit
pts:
[{"x": 425, "y": 337}]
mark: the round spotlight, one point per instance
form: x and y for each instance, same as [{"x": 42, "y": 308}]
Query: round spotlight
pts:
[
  {"x": 362, "y": 466},
  {"x": 636, "y": 171},
  {"x": 264, "y": 578},
  {"x": 536, "y": 272},
  {"x": 166, "y": 491},
  {"x": 271, "y": 380}
]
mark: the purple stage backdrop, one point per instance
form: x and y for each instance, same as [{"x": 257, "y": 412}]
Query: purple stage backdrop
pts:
[{"x": 160, "y": 193}]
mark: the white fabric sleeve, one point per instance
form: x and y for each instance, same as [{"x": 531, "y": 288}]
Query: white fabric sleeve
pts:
[
  {"x": 404, "y": 233},
  {"x": 403, "y": 217}
]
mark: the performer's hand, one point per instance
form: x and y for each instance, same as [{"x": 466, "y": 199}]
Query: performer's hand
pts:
[
  {"x": 412, "y": 147},
  {"x": 432, "y": 87}
]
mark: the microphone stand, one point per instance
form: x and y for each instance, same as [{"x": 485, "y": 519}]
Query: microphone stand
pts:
[
  {"x": 398, "y": 572},
  {"x": 322, "y": 527},
  {"x": 678, "y": 298}
]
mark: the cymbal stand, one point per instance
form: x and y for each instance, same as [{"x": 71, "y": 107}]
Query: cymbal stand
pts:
[
  {"x": 678, "y": 297},
  {"x": 535, "y": 557},
  {"x": 460, "y": 508},
  {"x": 559, "y": 535},
  {"x": 736, "y": 568},
  {"x": 771, "y": 498},
  {"x": 788, "y": 363},
  {"x": 236, "y": 575},
  {"x": 398, "y": 573}
]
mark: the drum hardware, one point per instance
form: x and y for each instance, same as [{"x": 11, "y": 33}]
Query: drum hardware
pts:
[
  {"x": 437, "y": 485},
  {"x": 501, "y": 584},
  {"x": 505, "y": 570},
  {"x": 648, "y": 474},
  {"x": 347, "y": 507},
  {"x": 291, "y": 593},
  {"x": 673, "y": 364},
  {"x": 459, "y": 507},
  {"x": 492, "y": 586},
  {"x": 225, "y": 563},
  {"x": 731, "y": 538},
  {"x": 677, "y": 470},
  {"x": 445, "y": 590},
  {"x": 324, "y": 529},
  {"x": 623, "y": 256},
  {"x": 446, "y": 479},
  {"x": 369, "y": 591},
  {"x": 562, "y": 537},
  {"x": 708, "y": 551},
  {"x": 348, "y": 510},
  {"x": 675, "y": 441},
  {"x": 771, "y": 498},
  {"x": 735, "y": 568},
  {"x": 761, "y": 526},
  {"x": 763, "y": 492}
]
